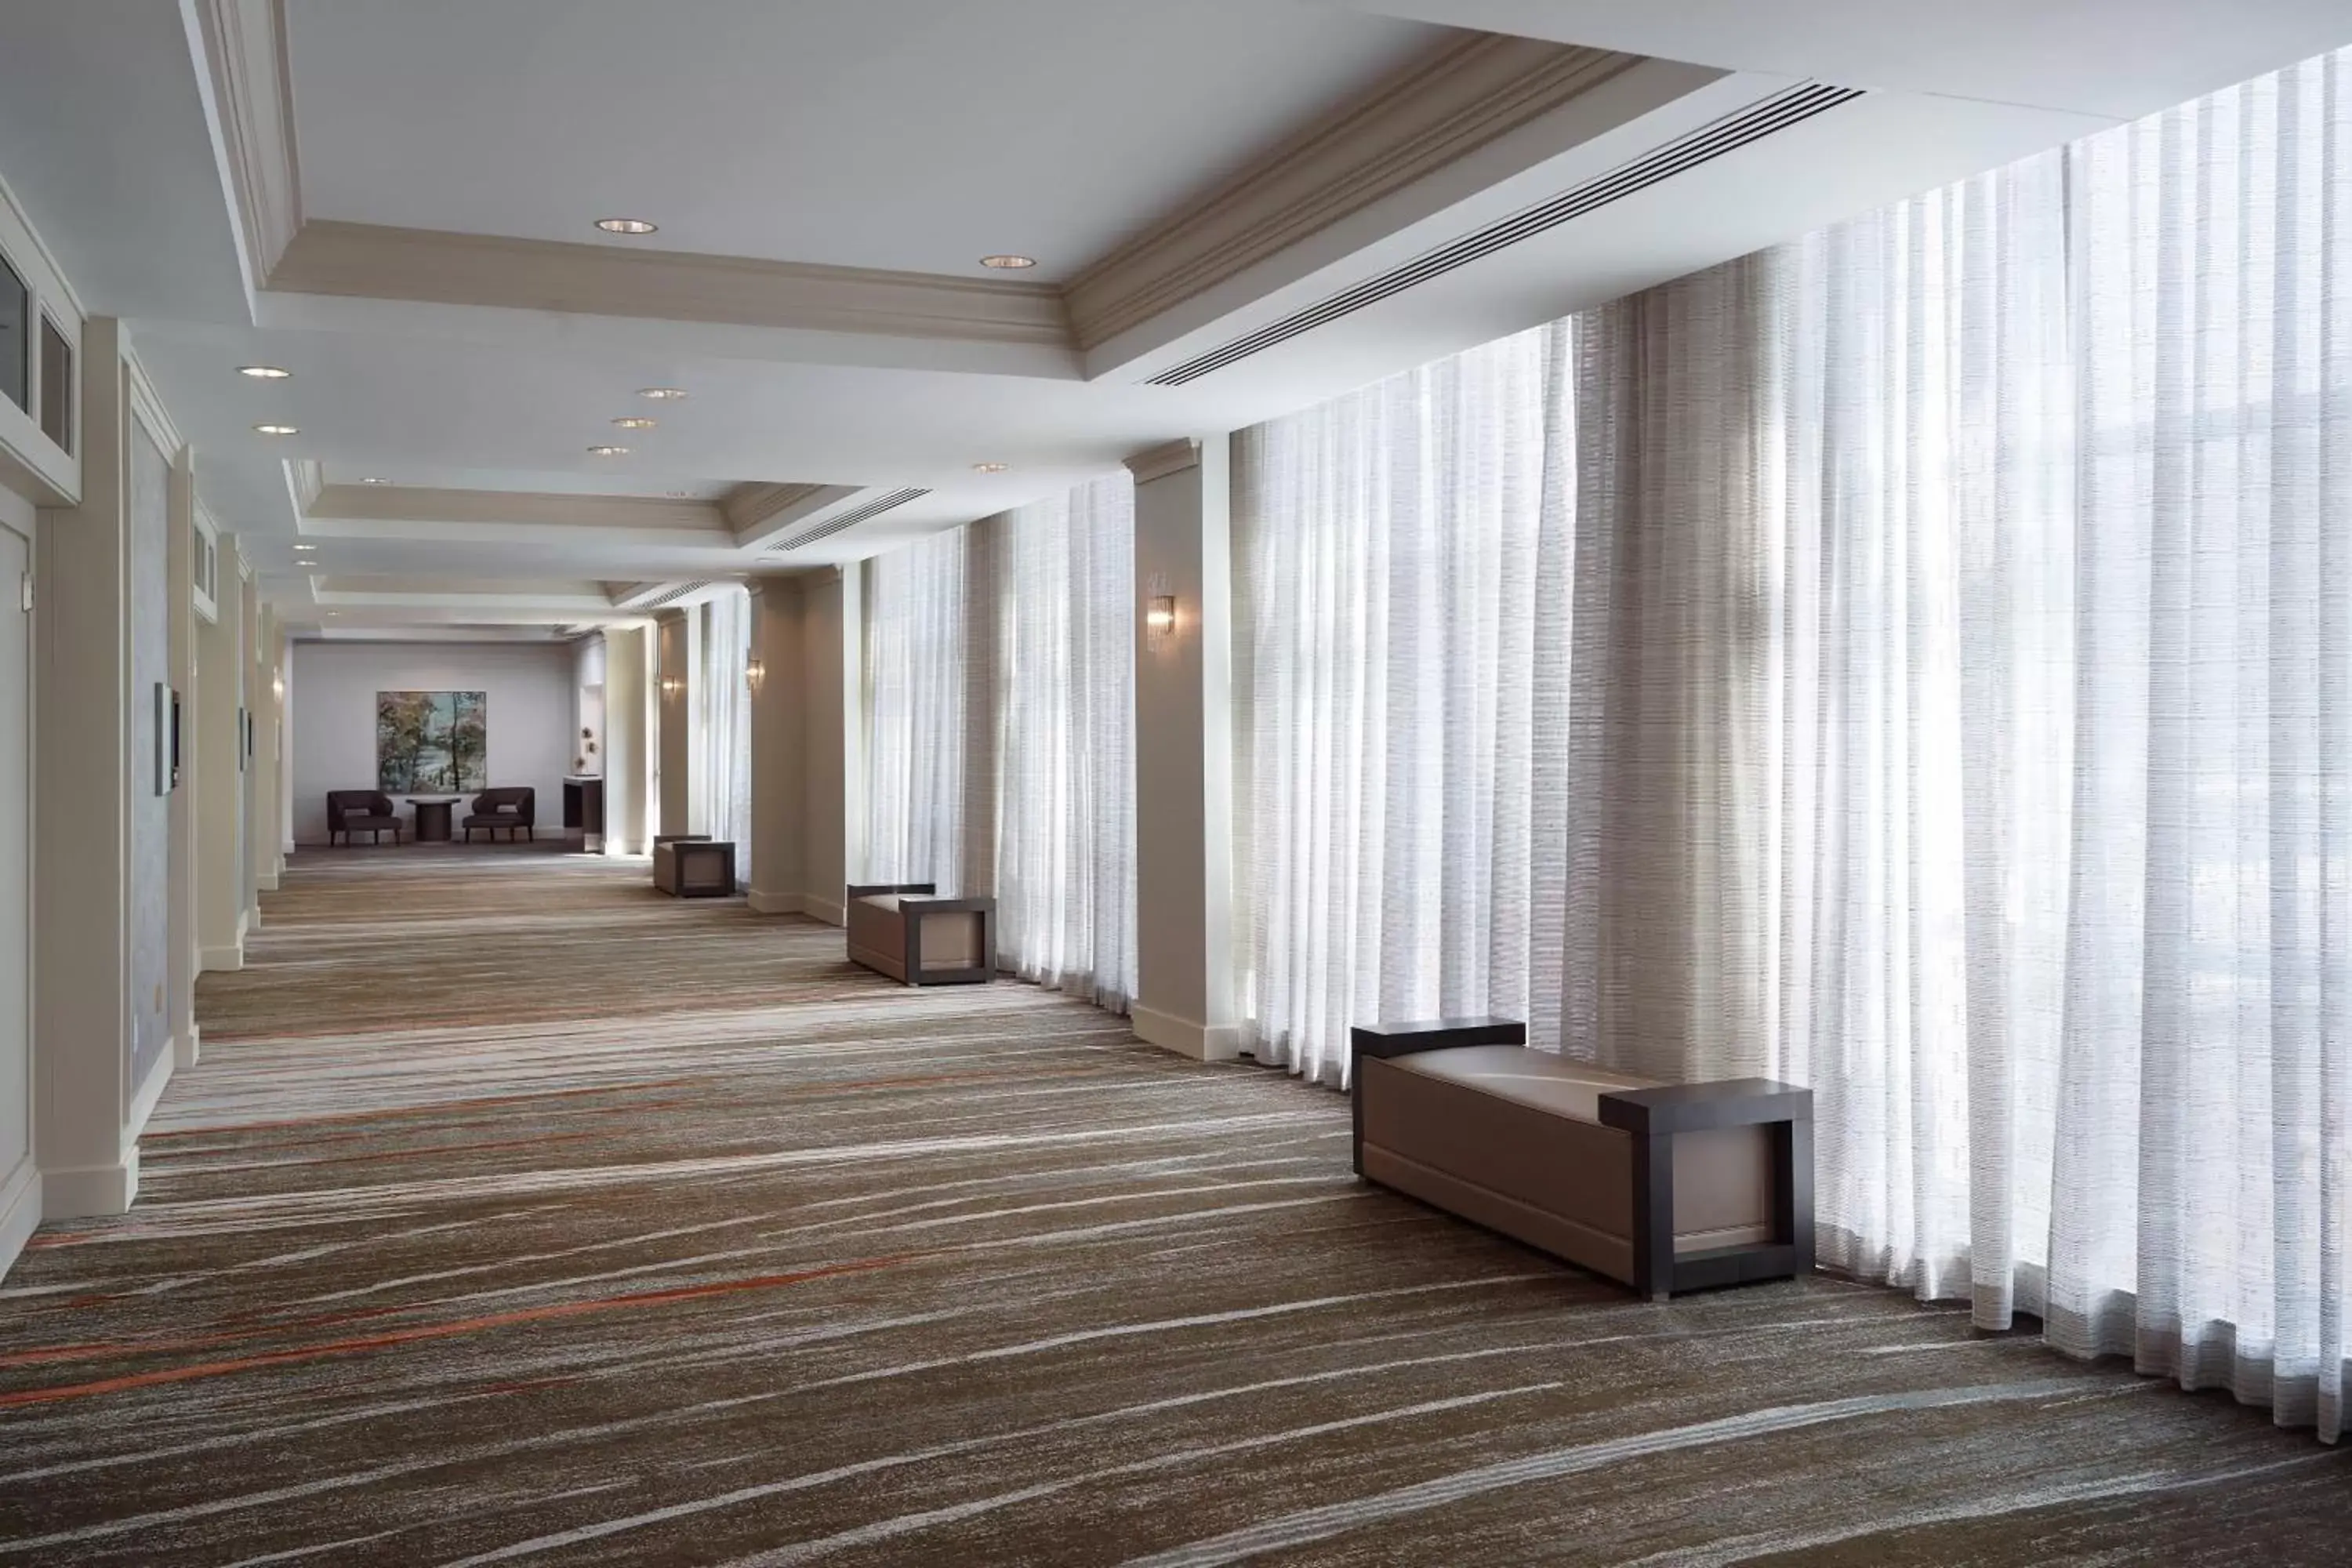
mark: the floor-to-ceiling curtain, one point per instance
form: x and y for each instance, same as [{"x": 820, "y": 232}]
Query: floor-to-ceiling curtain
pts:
[
  {"x": 920, "y": 662},
  {"x": 1062, "y": 712},
  {"x": 1962, "y": 724},
  {"x": 1401, "y": 562},
  {"x": 722, "y": 696},
  {"x": 998, "y": 724}
]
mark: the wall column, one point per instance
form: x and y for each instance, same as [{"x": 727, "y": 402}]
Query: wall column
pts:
[
  {"x": 218, "y": 756},
  {"x": 779, "y": 714},
  {"x": 82, "y": 1012},
  {"x": 628, "y": 739},
  {"x": 180, "y": 588},
  {"x": 1183, "y": 752},
  {"x": 673, "y": 710}
]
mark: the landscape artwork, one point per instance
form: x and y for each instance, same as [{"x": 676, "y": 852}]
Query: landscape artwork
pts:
[{"x": 431, "y": 743}]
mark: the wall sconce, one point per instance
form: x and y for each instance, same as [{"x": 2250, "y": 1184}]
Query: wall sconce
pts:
[
  {"x": 755, "y": 670},
  {"x": 1159, "y": 618}
]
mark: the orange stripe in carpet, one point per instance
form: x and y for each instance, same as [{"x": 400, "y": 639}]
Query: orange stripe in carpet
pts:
[{"x": 439, "y": 1330}]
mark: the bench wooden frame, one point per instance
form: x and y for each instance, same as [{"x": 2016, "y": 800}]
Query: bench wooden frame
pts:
[
  {"x": 917, "y": 904},
  {"x": 1652, "y": 1118}
]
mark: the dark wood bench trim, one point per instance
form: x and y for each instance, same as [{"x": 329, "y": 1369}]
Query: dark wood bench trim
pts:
[
  {"x": 1403, "y": 1039},
  {"x": 1652, "y": 1117},
  {"x": 912, "y": 907}
]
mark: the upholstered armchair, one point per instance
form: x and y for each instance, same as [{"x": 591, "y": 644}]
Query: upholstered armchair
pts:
[
  {"x": 367, "y": 811},
  {"x": 510, "y": 808}
]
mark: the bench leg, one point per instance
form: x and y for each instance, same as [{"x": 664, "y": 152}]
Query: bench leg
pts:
[{"x": 1654, "y": 1215}]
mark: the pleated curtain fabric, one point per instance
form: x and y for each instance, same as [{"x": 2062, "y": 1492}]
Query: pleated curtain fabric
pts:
[
  {"x": 919, "y": 675},
  {"x": 1961, "y": 724},
  {"x": 723, "y": 732},
  {"x": 998, "y": 727},
  {"x": 1063, "y": 716},
  {"x": 1400, "y": 580}
]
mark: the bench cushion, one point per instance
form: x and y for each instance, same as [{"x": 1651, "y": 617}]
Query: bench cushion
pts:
[{"x": 1537, "y": 1080}]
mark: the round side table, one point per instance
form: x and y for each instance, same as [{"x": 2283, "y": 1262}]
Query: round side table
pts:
[{"x": 433, "y": 817}]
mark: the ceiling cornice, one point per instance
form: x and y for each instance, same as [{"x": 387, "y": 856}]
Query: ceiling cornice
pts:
[
  {"x": 243, "y": 43},
  {"x": 1434, "y": 112},
  {"x": 1166, "y": 458},
  {"x": 406, "y": 503},
  {"x": 762, "y": 514},
  {"x": 381, "y": 262}
]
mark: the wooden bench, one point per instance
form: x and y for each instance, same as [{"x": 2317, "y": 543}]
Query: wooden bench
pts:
[
  {"x": 1662, "y": 1187},
  {"x": 902, "y": 930},
  {"x": 694, "y": 866}
]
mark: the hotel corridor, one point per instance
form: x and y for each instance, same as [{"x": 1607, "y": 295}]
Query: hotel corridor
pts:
[{"x": 515, "y": 1213}]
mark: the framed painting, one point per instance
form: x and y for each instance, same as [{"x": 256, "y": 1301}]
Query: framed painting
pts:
[{"x": 431, "y": 743}]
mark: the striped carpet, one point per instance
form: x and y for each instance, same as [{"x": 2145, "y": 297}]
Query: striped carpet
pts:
[{"x": 519, "y": 1214}]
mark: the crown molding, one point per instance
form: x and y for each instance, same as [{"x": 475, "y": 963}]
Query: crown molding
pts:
[
  {"x": 377, "y": 261},
  {"x": 251, "y": 82},
  {"x": 403, "y": 503},
  {"x": 1435, "y": 112},
  {"x": 1168, "y": 457}
]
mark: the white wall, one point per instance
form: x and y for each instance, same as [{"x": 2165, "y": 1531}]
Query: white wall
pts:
[
  {"x": 528, "y": 695},
  {"x": 20, "y": 1192}
]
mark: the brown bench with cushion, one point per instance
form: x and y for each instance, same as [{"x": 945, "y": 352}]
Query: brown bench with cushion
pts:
[
  {"x": 1663, "y": 1187},
  {"x": 901, "y": 929},
  {"x": 367, "y": 811},
  {"x": 509, "y": 806},
  {"x": 694, "y": 866}
]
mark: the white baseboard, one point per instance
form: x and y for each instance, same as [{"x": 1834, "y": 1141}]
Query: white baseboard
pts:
[
  {"x": 267, "y": 880},
  {"x": 187, "y": 1047},
  {"x": 143, "y": 1102},
  {"x": 222, "y": 960},
  {"x": 767, "y": 903},
  {"x": 1200, "y": 1042},
  {"x": 20, "y": 1211},
  {"x": 86, "y": 1191}
]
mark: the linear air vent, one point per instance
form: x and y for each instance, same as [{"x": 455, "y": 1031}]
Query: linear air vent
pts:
[
  {"x": 848, "y": 519},
  {"x": 1763, "y": 118},
  {"x": 669, "y": 596}
]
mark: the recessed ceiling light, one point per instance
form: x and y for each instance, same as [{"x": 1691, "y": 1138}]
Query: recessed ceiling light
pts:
[
  {"x": 1009, "y": 263},
  {"x": 372, "y": 480},
  {"x": 626, "y": 225},
  {"x": 263, "y": 371},
  {"x": 680, "y": 495},
  {"x": 990, "y": 467},
  {"x": 662, "y": 394},
  {"x": 608, "y": 451},
  {"x": 278, "y": 429},
  {"x": 634, "y": 422}
]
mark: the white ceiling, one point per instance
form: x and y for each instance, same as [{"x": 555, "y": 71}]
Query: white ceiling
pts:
[
  {"x": 894, "y": 133},
  {"x": 919, "y": 134},
  {"x": 2115, "y": 59}
]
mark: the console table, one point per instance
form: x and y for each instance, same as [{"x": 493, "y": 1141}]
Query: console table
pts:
[
  {"x": 433, "y": 816},
  {"x": 583, "y": 809}
]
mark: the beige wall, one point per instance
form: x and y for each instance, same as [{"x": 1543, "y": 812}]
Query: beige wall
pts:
[
  {"x": 803, "y": 742},
  {"x": 628, "y": 739},
  {"x": 673, "y": 723},
  {"x": 220, "y": 782},
  {"x": 20, "y": 1181},
  {"x": 1183, "y": 755}
]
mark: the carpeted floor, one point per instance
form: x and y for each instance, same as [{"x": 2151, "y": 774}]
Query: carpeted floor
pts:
[{"x": 515, "y": 1213}]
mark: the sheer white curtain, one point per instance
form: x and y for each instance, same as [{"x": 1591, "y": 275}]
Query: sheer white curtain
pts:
[
  {"x": 1063, "y": 715},
  {"x": 1000, "y": 719},
  {"x": 919, "y": 664},
  {"x": 2205, "y": 1114},
  {"x": 723, "y": 732},
  {"x": 1962, "y": 724},
  {"x": 1401, "y": 564}
]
